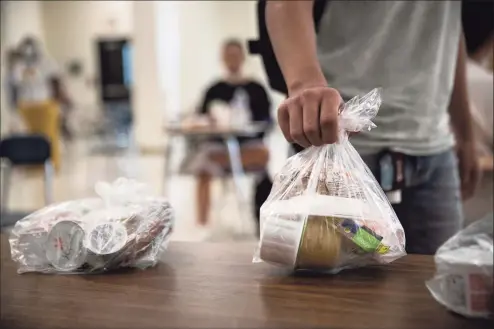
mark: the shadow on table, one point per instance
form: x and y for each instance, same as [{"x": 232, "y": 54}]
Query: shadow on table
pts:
[{"x": 160, "y": 269}]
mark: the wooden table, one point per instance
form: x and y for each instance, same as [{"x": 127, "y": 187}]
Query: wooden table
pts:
[{"x": 207, "y": 285}]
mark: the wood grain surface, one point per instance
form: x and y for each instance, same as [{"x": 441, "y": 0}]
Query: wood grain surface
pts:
[{"x": 208, "y": 285}]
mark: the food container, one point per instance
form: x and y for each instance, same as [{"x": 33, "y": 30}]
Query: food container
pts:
[
  {"x": 125, "y": 228},
  {"x": 465, "y": 287}
]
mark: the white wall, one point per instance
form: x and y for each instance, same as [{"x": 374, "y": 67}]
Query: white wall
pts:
[
  {"x": 148, "y": 92},
  {"x": 22, "y": 18},
  {"x": 185, "y": 43},
  {"x": 71, "y": 30},
  {"x": 18, "y": 20},
  {"x": 204, "y": 25}
]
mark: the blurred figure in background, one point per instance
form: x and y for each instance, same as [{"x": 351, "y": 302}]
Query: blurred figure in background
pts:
[
  {"x": 415, "y": 51},
  {"x": 237, "y": 92},
  {"x": 15, "y": 124},
  {"x": 12, "y": 58},
  {"x": 39, "y": 93}
]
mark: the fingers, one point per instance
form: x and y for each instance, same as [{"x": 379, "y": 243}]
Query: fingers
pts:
[
  {"x": 284, "y": 122},
  {"x": 329, "y": 118},
  {"x": 311, "y": 117},
  {"x": 310, "y": 112},
  {"x": 470, "y": 177},
  {"x": 464, "y": 179},
  {"x": 297, "y": 124}
]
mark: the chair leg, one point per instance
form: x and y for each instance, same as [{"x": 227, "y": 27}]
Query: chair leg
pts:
[
  {"x": 48, "y": 182},
  {"x": 7, "y": 171},
  {"x": 167, "y": 163}
]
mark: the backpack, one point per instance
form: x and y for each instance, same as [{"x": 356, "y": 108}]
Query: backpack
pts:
[{"x": 263, "y": 47}]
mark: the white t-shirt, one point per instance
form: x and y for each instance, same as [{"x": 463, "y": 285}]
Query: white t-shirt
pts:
[{"x": 33, "y": 80}]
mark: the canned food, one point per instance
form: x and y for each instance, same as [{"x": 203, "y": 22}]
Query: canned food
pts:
[
  {"x": 106, "y": 238},
  {"x": 65, "y": 246}
]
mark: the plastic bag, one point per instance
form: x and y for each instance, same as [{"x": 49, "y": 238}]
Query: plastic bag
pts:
[
  {"x": 463, "y": 280},
  {"x": 125, "y": 227},
  {"x": 326, "y": 211}
]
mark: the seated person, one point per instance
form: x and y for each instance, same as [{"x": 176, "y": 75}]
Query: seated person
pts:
[
  {"x": 39, "y": 95},
  {"x": 212, "y": 158}
]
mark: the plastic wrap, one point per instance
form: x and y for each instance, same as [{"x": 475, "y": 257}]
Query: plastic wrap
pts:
[
  {"x": 463, "y": 280},
  {"x": 125, "y": 227},
  {"x": 326, "y": 211}
]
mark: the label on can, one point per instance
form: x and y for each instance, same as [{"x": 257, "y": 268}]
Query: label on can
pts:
[
  {"x": 65, "y": 246},
  {"x": 106, "y": 238}
]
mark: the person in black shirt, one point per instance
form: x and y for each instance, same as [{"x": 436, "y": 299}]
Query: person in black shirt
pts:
[{"x": 212, "y": 158}]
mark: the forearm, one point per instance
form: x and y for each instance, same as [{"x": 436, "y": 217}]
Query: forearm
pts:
[
  {"x": 291, "y": 30},
  {"x": 58, "y": 91},
  {"x": 459, "y": 107}
]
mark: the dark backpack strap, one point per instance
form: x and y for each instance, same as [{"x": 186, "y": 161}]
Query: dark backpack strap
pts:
[{"x": 318, "y": 11}]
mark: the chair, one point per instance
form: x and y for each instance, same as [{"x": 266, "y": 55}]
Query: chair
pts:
[{"x": 25, "y": 150}]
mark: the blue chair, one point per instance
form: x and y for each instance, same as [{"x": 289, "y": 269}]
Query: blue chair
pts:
[{"x": 23, "y": 150}]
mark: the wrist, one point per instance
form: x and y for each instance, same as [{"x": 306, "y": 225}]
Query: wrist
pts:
[{"x": 309, "y": 78}]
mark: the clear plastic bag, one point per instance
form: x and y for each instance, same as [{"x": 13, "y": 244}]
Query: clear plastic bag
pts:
[
  {"x": 463, "y": 280},
  {"x": 326, "y": 211},
  {"x": 126, "y": 227}
]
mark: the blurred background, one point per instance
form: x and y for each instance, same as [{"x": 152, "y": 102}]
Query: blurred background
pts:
[{"x": 126, "y": 71}]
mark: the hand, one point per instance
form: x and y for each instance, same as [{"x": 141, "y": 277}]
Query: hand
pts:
[
  {"x": 469, "y": 168},
  {"x": 310, "y": 117}
]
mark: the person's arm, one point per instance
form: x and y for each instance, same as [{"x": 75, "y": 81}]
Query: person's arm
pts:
[
  {"x": 209, "y": 96},
  {"x": 309, "y": 115},
  {"x": 462, "y": 123},
  {"x": 54, "y": 75},
  {"x": 59, "y": 93},
  {"x": 291, "y": 30}
]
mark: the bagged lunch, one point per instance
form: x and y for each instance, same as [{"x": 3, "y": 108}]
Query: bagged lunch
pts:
[
  {"x": 125, "y": 226},
  {"x": 463, "y": 280},
  {"x": 326, "y": 211}
]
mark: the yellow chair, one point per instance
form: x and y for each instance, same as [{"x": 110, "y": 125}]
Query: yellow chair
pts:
[{"x": 44, "y": 118}]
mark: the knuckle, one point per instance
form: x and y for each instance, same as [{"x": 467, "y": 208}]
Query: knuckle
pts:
[
  {"x": 328, "y": 121},
  {"x": 289, "y": 103},
  {"x": 311, "y": 130},
  {"x": 282, "y": 111},
  {"x": 332, "y": 92},
  {"x": 310, "y": 95}
]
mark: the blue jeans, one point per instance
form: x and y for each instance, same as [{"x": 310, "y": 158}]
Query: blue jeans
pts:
[{"x": 431, "y": 209}]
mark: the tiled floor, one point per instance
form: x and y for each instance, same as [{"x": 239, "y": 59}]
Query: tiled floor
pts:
[{"x": 81, "y": 170}]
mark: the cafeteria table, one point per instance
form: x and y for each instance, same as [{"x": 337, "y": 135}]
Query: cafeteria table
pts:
[
  {"x": 227, "y": 134},
  {"x": 215, "y": 285}
]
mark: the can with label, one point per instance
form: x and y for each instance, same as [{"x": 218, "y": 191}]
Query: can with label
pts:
[{"x": 64, "y": 247}]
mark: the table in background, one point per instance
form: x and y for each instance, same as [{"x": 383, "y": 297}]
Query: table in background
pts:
[
  {"x": 227, "y": 134},
  {"x": 207, "y": 285}
]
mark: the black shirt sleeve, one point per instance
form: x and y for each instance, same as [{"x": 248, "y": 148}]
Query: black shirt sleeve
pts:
[
  {"x": 260, "y": 105},
  {"x": 263, "y": 105}
]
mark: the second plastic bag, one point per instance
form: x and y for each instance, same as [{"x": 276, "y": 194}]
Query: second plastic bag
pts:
[
  {"x": 125, "y": 227},
  {"x": 326, "y": 211}
]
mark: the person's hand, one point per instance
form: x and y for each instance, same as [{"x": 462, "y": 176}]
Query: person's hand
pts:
[
  {"x": 310, "y": 117},
  {"x": 469, "y": 168}
]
